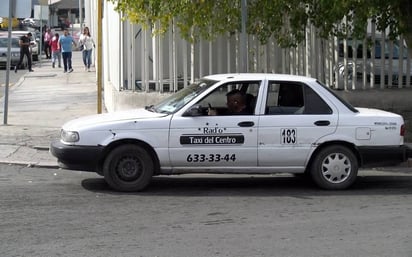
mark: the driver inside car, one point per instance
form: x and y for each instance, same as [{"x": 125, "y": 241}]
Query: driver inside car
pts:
[{"x": 236, "y": 104}]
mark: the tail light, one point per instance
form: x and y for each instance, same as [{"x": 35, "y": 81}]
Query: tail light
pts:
[{"x": 403, "y": 130}]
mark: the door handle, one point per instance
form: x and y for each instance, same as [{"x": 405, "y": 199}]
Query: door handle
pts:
[
  {"x": 322, "y": 123},
  {"x": 246, "y": 124}
]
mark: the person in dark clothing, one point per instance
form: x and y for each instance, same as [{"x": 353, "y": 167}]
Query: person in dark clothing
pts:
[{"x": 24, "y": 43}]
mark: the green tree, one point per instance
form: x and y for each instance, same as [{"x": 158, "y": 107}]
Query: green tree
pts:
[
  {"x": 285, "y": 20},
  {"x": 195, "y": 18}
]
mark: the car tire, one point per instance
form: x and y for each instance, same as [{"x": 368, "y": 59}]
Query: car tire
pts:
[
  {"x": 334, "y": 168},
  {"x": 128, "y": 168}
]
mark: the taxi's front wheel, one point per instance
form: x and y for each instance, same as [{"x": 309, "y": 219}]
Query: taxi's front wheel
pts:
[
  {"x": 128, "y": 168},
  {"x": 334, "y": 167}
]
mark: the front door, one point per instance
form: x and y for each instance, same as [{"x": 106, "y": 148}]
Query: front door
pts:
[{"x": 223, "y": 140}]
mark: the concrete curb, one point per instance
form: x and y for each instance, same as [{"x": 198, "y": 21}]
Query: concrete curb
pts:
[{"x": 48, "y": 165}]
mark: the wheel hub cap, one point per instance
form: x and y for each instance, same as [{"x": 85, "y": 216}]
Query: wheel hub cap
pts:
[
  {"x": 336, "y": 168},
  {"x": 129, "y": 169}
]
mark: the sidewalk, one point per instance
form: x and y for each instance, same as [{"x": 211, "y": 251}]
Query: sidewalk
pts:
[{"x": 39, "y": 104}]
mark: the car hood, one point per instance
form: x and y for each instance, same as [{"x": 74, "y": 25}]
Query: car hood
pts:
[{"x": 99, "y": 120}]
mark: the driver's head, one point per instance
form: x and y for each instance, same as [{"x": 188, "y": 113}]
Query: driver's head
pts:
[{"x": 235, "y": 100}]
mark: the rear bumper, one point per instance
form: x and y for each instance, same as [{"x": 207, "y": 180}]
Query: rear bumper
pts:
[
  {"x": 379, "y": 156},
  {"x": 409, "y": 150}
]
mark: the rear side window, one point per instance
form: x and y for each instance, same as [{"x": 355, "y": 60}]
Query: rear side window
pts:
[
  {"x": 289, "y": 98},
  {"x": 314, "y": 104}
]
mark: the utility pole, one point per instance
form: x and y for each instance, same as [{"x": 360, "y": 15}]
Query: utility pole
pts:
[
  {"x": 6, "y": 88},
  {"x": 81, "y": 14},
  {"x": 17, "y": 9}
]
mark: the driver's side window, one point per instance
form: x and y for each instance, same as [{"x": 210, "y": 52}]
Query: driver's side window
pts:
[{"x": 218, "y": 99}]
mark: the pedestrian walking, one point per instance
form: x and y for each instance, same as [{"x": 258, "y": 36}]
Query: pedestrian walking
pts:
[
  {"x": 87, "y": 43},
  {"x": 47, "y": 43},
  {"x": 66, "y": 42},
  {"x": 24, "y": 42},
  {"x": 55, "y": 49}
]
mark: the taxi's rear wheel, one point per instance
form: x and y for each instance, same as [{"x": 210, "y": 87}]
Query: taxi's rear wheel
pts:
[
  {"x": 334, "y": 167},
  {"x": 128, "y": 168}
]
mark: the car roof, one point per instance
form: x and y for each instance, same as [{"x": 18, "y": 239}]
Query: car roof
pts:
[
  {"x": 5, "y": 35},
  {"x": 18, "y": 33},
  {"x": 21, "y": 32},
  {"x": 14, "y": 33},
  {"x": 258, "y": 76}
]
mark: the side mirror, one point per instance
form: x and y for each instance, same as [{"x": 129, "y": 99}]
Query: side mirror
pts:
[{"x": 195, "y": 110}]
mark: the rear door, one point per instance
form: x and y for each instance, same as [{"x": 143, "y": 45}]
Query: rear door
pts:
[{"x": 295, "y": 118}]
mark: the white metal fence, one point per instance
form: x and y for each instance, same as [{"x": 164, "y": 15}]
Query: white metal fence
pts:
[{"x": 167, "y": 63}]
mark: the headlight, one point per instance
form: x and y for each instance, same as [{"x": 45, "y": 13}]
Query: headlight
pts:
[
  {"x": 15, "y": 54},
  {"x": 69, "y": 136}
]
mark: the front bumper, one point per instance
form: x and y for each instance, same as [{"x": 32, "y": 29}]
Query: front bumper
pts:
[
  {"x": 74, "y": 157},
  {"x": 379, "y": 156}
]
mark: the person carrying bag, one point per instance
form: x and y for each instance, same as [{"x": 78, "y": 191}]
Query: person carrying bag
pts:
[{"x": 86, "y": 44}]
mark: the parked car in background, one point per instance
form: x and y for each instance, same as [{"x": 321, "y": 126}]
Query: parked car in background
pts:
[
  {"x": 236, "y": 123},
  {"x": 389, "y": 59},
  {"x": 15, "y": 52},
  {"x": 35, "y": 51},
  {"x": 30, "y": 22}
]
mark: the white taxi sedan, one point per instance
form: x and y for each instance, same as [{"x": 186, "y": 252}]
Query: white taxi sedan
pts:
[{"x": 294, "y": 124}]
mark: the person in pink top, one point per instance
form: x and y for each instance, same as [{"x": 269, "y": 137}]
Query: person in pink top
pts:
[
  {"x": 55, "y": 49},
  {"x": 47, "y": 43}
]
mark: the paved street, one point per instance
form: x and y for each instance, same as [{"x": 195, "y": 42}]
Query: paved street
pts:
[{"x": 51, "y": 212}]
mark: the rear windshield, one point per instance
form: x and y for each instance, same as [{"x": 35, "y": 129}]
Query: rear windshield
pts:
[
  {"x": 343, "y": 101},
  {"x": 4, "y": 41}
]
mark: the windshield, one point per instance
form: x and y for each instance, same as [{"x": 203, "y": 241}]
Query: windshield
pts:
[
  {"x": 4, "y": 42},
  {"x": 179, "y": 99}
]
